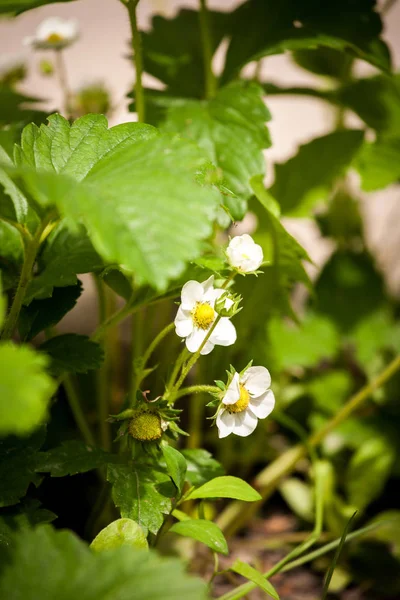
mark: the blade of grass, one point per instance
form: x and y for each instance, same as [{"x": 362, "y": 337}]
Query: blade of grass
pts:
[{"x": 339, "y": 549}]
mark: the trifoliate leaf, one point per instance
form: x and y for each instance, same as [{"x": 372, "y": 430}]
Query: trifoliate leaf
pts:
[
  {"x": 73, "y": 353},
  {"x": 264, "y": 27},
  {"x": 305, "y": 178},
  {"x": 41, "y": 314},
  {"x": 17, "y": 466},
  {"x": 142, "y": 493},
  {"x": 70, "y": 458},
  {"x": 25, "y": 387},
  {"x": 231, "y": 129},
  {"x": 122, "y": 532},
  {"x": 201, "y": 466},
  {"x": 65, "y": 255},
  {"x": 77, "y": 571},
  {"x": 115, "y": 181}
]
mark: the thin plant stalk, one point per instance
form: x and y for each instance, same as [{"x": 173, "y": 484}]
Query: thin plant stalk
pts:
[
  {"x": 63, "y": 81},
  {"x": 76, "y": 409},
  {"x": 138, "y": 59},
  {"x": 207, "y": 49}
]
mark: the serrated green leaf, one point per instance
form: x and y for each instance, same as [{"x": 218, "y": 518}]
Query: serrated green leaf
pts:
[
  {"x": 114, "y": 183},
  {"x": 70, "y": 458},
  {"x": 379, "y": 163},
  {"x": 76, "y": 571},
  {"x": 263, "y": 27},
  {"x": 255, "y": 576},
  {"x": 304, "y": 179},
  {"x": 17, "y": 466},
  {"x": 142, "y": 493},
  {"x": 231, "y": 129},
  {"x": 41, "y": 314},
  {"x": 203, "y": 531},
  {"x": 73, "y": 353},
  {"x": 25, "y": 387},
  {"x": 65, "y": 255},
  {"x": 122, "y": 532},
  {"x": 13, "y": 204},
  {"x": 176, "y": 465},
  {"x": 201, "y": 466},
  {"x": 226, "y": 486}
]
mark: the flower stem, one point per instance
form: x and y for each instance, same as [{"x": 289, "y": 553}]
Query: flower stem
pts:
[
  {"x": 105, "y": 300},
  {"x": 138, "y": 58},
  {"x": 206, "y": 42},
  {"x": 73, "y": 401},
  {"x": 196, "y": 389},
  {"x": 140, "y": 371},
  {"x": 31, "y": 246},
  {"x": 63, "y": 81},
  {"x": 237, "y": 514}
]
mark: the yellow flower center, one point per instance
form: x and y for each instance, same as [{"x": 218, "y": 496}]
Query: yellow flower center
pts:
[
  {"x": 242, "y": 403},
  {"x": 54, "y": 38},
  {"x": 145, "y": 426},
  {"x": 203, "y": 315}
]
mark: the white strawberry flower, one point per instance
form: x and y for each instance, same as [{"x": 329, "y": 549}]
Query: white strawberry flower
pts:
[
  {"x": 244, "y": 254},
  {"x": 196, "y": 316},
  {"x": 247, "y": 399},
  {"x": 54, "y": 33}
]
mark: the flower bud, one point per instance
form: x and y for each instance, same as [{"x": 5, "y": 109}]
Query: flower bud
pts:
[
  {"x": 244, "y": 254},
  {"x": 227, "y": 304},
  {"x": 146, "y": 426}
]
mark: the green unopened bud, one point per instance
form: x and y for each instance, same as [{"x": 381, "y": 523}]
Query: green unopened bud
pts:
[
  {"x": 12, "y": 69},
  {"x": 145, "y": 426},
  {"x": 227, "y": 305},
  {"x": 92, "y": 98},
  {"x": 46, "y": 68}
]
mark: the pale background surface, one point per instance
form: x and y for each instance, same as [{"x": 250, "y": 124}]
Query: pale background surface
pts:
[{"x": 100, "y": 54}]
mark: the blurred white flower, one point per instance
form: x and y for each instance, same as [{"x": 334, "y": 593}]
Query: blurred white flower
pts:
[
  {"x": 54, "y": 33},
  {"x": 12, "y": 68},
  {"x": 244, "y": 254},
  {"x": 247, "y": 398},
  {"x": 196, "y": 315}
]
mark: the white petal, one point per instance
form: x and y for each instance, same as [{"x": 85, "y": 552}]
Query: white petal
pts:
[
  {"x": 195, "y": 339},
  {"x": 244, "y": 254},
  {"x": 208, "y": 289},
  {"x": 225, "y": 423},
  {"x": 256, "y": 380},
  {"x": 224, "y": 334},
  {"x": 232, "y": 394},
  {"x": 245, "y": 423},
  {"x": 264, "y": 405},
  {"x": 183, "y": 323},
  {"x": 207, "y": 348},
  {"x": 192, "y": 292}
]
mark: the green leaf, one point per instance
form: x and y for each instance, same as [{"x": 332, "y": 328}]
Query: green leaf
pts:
[
  {"x": 203, "y": 531},
  {"x": 201, "y": 466},
  {"x": 368, "y": 471},
  {"x": 263, "y": 27},
  {"x": 3, "y": 304},
  {"x": 305, "y": 178},
  {"x": 305, "y": 346},
  {"x": 299, "y": 497},
  {"x": 379, "y": 164},
  {"x": 387, "y": 530},
  {"x": 378, "y": 331},
  {"x": 73, "y": 353},
  {"x": 122, "y": 532},
  {"x": 114, "y": 181},
  {"x": 325, "y": 61},
  {"x": 225, "y": 487},
  {"x": 25, "y": 387},
  {"x": 330, "y": 390},
  {"x": 231, "y": 129},
  {"x": 142, "y": 493},
  {"x": 12, "y": 103},
  {"x": 176, "y": 465},
  {"x": 70, "y": 458},
  {"x": 17, "y": 466},
  {"x": 66, "y": 254},
  {"x": 255, "y": 576},
  {"x": 42, "y": 314},
  {"x": 76, "y": 571},
  {"x": 13, "y": 204}
]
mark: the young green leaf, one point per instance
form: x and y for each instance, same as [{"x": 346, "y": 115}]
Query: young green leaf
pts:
[
  {"x": 142, "y": 493},
  {"x": 122, "y": 532},
  {"x": 255, "y": 576},
  {"x": 201, "y": 466},
  {"x": 26, "y": 389},
  {"x": 203, "y": 531},
  {"x": 114, "y": 182},
  {"x": 76, "y": 571},
  {"x": 231, "y": 129},
  {"x": 176, "y": 465},
  {"x": 70, "y": 458},
  {"x": 379, "y": 163},
  {"x": 73, "y": 353},
  {"x": 226, "y": 486}
]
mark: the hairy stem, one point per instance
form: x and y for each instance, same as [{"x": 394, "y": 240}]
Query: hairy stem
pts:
[
  {"x": 206, "y": 42},
  {"x": 196, "y": 389},
  {"x": 237, "y": 514},
  {"x": 140, "y": 374},
  {"x": 138, "y": 59},
  {"x": 63, "y": 81},
  {"x": 75, "y": 406}
]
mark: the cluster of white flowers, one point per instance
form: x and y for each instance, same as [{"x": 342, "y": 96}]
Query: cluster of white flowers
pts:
[
  {"x": 248, "y": 397},
  {"x": 54, "y": 34}
]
